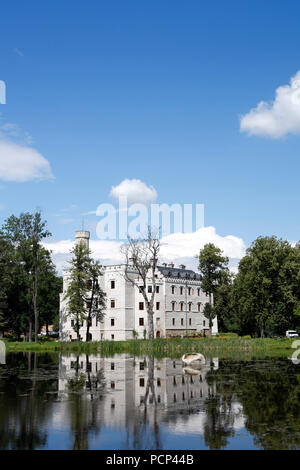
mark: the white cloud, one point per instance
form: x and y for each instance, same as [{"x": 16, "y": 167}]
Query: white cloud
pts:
[
  {"x": 135, "y": 190},
  {"x": 278, "y": 118},
  {"x": 178, "y": 248},
  {"x": 178, "y": 245},
  {"x": 22, "y": 163}
]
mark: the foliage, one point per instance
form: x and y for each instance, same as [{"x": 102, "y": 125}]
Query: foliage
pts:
[
  {"x": 86, "y": 299},
  {"x": 26, "y": 233},
  {"x": 209, "y": 313},
  {"x": 212, "y": 267},
  {"x": 266, "y": 291}
]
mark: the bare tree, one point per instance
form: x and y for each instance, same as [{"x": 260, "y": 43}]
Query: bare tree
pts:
[{"x": 141, "y": 255}]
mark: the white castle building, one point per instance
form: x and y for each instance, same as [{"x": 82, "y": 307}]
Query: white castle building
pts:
[{"x": 178, "y": 304}]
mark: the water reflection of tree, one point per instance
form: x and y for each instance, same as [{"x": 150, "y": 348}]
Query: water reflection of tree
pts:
[
  {"x": 269, "y": 392},
  {"x": 22, "y": 421},
  {"x": 146, "y": 431},
  {"x": 219, "y": 415},
  {"x": 86, "y": 390}
]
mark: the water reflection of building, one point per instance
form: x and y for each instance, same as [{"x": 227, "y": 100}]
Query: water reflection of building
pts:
[{"x": 134, "y": 392}]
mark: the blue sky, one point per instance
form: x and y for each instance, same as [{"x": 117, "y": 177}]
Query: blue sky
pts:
[{"x": 152, "y": 90}]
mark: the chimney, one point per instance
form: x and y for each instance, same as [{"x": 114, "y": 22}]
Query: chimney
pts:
[
  {"x": 83, "y": 236},
  {"x": 182, "y": 266},
  {"x": 171, "y": 265}
]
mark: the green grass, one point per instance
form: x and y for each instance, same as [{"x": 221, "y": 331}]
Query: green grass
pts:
[{"x": 221, "y": 346}]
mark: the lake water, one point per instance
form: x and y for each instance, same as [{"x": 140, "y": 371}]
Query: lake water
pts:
[{"x": 124, "y": 402}]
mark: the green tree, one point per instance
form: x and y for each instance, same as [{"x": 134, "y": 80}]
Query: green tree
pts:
[
  {"x": 209, "y": 313},
  {"x": 223, "y": 305},
  {"x": 5, "y": 281},
  {"x": 266, "y": 290},
  {"x": 96, "y": 300},
  {"x": 77, "y": 289},
  {"x": 212, "y": 265},
  {"x": 86, "y": 299},
  {"x": 50, "y": 286},
  {"x": 26, "y": 232}
]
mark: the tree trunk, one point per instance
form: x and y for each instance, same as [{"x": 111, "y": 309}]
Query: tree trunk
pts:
[
  {"x": 90, "y": 313},
  {"x": 150, "y": 325},
  {"x": 30, "y": 331},
  {"x": 210, "y": 321},
  {"x": 87, "y": 338},
  {"x": 47, "y": 328},
  {"x": 35, "y": 309},
  {"x": 77, "y": 330}
]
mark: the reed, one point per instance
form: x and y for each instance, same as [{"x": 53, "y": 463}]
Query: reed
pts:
[{"x": 221, "y": 346}]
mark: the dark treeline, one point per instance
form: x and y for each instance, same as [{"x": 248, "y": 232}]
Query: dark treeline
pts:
[
  {"x": 263, "y": 298},
  {"x": 29, "y": 284}
]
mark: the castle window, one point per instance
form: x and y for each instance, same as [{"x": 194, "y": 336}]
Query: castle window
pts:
[
  {"x": 142, "y": 382},
  {"x": 173, "y": 321},
  {"x": 189, "y": 291},
  {"x": 141, "y": 321},
  {"x": 190, "y": 306},
  {"x": 112, "y": 322},
  {"x": 181, "y": 306},
  {"x": 157, "y": 289},
  {"x": 181, "y": 290},
  {"x": 199, "y": 307},
  {"x": 190, "y": 321},
  {"x": 173, "y": 289},
  {"x": 157, "y": 305},
  {"x": 173, "y": 306},
  {"x": 112, "y": 304},
  {"x": 199, "y": 292},
  {"x": 141, "y": 305},
  {"x": 112, "y": 284},
  {"x": 150, "y": 289}
]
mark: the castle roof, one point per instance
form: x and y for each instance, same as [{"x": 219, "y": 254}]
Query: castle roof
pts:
[{"x": 178, "y": 273}]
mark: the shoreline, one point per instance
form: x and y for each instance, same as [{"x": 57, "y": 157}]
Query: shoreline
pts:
[{"x": 174, "y": 347}]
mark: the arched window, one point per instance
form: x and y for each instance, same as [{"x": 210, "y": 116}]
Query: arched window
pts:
[{"x": 190, "y": 306}]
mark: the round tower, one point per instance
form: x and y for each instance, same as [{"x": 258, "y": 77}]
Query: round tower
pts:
[{"x": 83, "y": 236}]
